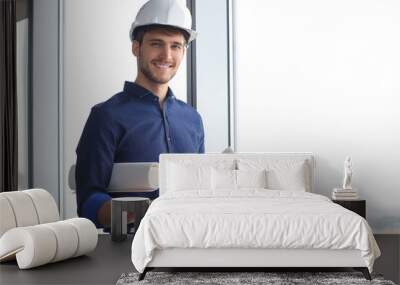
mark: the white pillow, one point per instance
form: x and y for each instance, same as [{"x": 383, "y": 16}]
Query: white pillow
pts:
[
  {"x": 223, "y": 179},
  {"x": 293, "y": 178},
  {"x": 26, "y": 208},
  {"x": 251, "y": 178},
  {"x": 236, "y": 179},
  {"x": 282, "y": 174},
  {"x": 183, "y": 177},
  {"x": 40, "y": 244}
]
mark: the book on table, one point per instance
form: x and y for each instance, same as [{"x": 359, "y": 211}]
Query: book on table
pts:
[{"x": 344, "y": 194}]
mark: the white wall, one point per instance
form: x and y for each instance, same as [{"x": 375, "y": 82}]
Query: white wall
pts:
[
  {"x": 324, "y": 76},
  {"x": 22, "y": 101},
  {"x": 97, "y": 59}
]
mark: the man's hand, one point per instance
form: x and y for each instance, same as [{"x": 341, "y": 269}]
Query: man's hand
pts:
[{"x": 104, "y": 215}]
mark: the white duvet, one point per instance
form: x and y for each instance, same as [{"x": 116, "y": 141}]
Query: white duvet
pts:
[{"x": 250, "y": 219}]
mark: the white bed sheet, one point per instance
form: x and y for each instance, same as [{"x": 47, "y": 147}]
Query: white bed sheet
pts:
[{"x": 250, "y": 218}]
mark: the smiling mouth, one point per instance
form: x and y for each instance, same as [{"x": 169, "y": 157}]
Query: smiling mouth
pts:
[{"x": 162, "y": 65}]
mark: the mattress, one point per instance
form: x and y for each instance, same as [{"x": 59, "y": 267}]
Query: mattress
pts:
[{"x": 250, "y": 219}]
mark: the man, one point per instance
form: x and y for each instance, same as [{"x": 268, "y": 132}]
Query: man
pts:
[{"x": 145, "y": 119}]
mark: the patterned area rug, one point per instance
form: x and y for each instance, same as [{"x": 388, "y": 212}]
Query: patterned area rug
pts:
[{"x": 269, "y": 278}]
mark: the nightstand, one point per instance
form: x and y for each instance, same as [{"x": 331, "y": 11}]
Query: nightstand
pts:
[{"x": 357, "y": 206}]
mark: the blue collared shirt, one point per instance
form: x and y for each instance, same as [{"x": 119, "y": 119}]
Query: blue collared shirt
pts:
[{"x": 130, "y": 127}]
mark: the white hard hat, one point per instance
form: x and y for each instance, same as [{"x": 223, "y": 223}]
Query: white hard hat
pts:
[{"x": 164, "y": 12}]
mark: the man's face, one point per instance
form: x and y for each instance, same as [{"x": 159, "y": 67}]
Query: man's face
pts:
[{"x": 159, "y": 55}]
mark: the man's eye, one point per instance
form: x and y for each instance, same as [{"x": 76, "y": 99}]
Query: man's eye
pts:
[
  {"x": 177, "y": 47},
  {"x": 155, "y": 44}
]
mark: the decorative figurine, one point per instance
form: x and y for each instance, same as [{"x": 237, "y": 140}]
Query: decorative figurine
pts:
[{"x": 348, "y": 173}]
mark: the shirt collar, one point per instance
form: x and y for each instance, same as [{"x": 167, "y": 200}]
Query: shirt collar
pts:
[{"x": 139, "y": 91}]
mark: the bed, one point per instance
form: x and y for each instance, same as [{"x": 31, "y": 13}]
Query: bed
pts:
[{"x": 245, "y": 211}]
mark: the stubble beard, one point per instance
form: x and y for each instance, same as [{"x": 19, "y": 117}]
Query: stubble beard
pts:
[{"x": 145, "y": 69}]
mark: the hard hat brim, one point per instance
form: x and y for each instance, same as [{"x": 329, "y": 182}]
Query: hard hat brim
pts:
[{"x": 134, "y": 26}]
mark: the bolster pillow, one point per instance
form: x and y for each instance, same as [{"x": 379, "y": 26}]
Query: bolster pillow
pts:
[
  {"x": 40, "y": 244},
  {"x": 26, "y": 208}
]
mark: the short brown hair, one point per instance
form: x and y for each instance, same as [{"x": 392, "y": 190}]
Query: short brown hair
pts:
[{"x": 139, "y": 32}]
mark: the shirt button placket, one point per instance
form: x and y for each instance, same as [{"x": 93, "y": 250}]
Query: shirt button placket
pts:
[{"x": 166, "y": 127}]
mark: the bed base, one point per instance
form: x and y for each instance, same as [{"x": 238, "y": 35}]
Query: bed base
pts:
[
  {"x": 363, "y": 270},
  {"x": 242, "y": 259}
]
